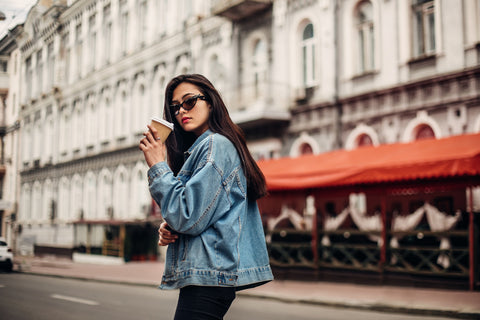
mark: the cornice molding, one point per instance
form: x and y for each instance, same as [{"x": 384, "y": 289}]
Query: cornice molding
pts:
[{"x": 126, "y": 157}]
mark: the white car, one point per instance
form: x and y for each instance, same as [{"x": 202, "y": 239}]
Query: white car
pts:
[{"x": 6, "y": 256}]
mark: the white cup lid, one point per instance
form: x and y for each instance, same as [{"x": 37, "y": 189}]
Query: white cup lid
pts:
[{"x": 164, "y": 122}]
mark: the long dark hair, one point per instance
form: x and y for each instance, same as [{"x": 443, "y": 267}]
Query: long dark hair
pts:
[{"x": 219, "y": 122}]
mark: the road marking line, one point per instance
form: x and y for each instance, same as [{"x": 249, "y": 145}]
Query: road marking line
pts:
[{"x": 73, "y": 299}]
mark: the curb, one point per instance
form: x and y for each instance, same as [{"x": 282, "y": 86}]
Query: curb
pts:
[
  {"x": 370, "y": 307},
  {"x": 380, "y": 307}
]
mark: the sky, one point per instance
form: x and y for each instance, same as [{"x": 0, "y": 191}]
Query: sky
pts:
[{"x": 15, "y": 11}]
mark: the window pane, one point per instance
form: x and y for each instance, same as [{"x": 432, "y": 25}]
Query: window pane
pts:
[
  {"x": 361, "y": 40},
  {"x": 313, "y": 63},
  {"x": 424, "y": 132},
  {"x": 431, "y": 30},
  {"x": 308, "y": 55},
  {"x": 308, "y": 32},
  {"x": 365, "y": 33},
  {"x": 419, "y": 34},
  {"x": 304, "y": 60},
  {"x": 365, "y": 140},
  {"x": 372, "y": 48}
]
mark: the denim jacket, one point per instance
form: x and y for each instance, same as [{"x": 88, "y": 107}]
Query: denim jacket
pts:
[{"x": 221, "y": 239}]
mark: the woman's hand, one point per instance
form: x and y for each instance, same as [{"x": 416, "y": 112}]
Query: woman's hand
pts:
[
  {"x": 165, "y": 236},
  {"x": 153, "y": 149}
]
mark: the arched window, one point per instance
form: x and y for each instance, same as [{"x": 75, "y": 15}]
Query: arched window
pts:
[
  {"x": 106, "y": 195},
  {"x": 78, "y": 125},
  {"x": 216, "y": 71},
  {"x": 143, "y": 107},
  {"x": 306, "y": 148},
  {"x": 76, "y": 198},
  {"x": 64, "y": 129},
  {"x": 50, "y": 139},
  {"x": 90, "y": 195},
  {"x": 157, "y": 92},
  {"x": 259, "y": 66},
  {"x": 91, "y": 124},
  {"x": 108, "y": 119},
  {"x": 142, "y": 206},
  {"x": 63, "y": 205},
  {"x": 303, "y": 145},
  {"x": 37, "y": 201},
  {"x": 38, "y": 139},
  {"x": 139, "y": 114},
  {"x": 364, "y": 140},
  {"x": 366, "y": 39},
  {"x": 47, "y": 199},
  {"x": 424, "y": 132},
  {"x": 308, "y": 56},
  {"x": 26, "y": 204},
  {"x": 120, "y": 193},
  {"x": 122, "y": 127}
]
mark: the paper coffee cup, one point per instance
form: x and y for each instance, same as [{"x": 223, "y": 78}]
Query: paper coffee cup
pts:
[{"x": 163, "y": 128}]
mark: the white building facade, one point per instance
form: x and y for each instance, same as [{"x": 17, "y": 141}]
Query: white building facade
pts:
[{"x": 299, "y": 76}]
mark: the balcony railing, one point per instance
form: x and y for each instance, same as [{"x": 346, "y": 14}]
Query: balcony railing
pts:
[{"x": 237, "y": 10}]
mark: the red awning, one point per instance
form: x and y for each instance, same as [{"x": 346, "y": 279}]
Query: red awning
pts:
[{"x": 457, "y": 156}]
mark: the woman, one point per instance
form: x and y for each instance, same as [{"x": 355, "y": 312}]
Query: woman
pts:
[{"x": 207, "y": 194}]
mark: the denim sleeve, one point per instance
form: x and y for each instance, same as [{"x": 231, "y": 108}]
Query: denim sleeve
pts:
[{"x": 193, "y": 207}]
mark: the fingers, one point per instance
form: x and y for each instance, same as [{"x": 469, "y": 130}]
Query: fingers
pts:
[
  {"x": 165, "y": 237},
  {"x": 152, "y": 134},
  {"x": 163, "y": 242}
]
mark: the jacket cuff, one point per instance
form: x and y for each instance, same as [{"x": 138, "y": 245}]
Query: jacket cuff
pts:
[{"x": 157, "y": 170}]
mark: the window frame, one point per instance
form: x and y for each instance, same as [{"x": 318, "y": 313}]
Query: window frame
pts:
[
  {"x": 365, "y": 30},
  {"x": 307, "y": 49},
  {"x": 424, "y": 42}
]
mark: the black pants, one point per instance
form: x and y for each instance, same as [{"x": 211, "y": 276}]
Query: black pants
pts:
[{"x": 204, "y": 303}]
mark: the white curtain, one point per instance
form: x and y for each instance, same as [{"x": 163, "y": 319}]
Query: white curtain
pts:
[
  {"x": 333, "y": 223},
  {"x": 440, "y": 221},
  {"x": 293, "y": 216},
  {"x": 368, "y": 223},
  {"x": 309, "y": 212},
  {"x": 287, "y": 213},
  {"x": 405, "y": 223}
]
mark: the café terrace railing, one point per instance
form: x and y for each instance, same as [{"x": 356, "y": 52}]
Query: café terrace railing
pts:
[{"x": 350, "y": 249}]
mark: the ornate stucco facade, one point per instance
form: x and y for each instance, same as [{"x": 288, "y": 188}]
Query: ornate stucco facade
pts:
[{"x": 299, "y": 76}]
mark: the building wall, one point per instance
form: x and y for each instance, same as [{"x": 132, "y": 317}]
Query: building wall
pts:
[
  {"x": 10, "y": 134},
  {"x": 293, "y": 75}
]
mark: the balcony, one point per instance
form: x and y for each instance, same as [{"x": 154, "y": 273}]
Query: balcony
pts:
[
  {"x": 260, "y": 118},
  {"x": 236, "y": 10}
]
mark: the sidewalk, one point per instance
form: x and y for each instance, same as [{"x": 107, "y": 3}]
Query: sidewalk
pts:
[{"x": 434, "y": 302}]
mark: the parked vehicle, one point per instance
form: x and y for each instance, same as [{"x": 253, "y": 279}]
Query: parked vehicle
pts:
[{"x": 6, "y": 256}]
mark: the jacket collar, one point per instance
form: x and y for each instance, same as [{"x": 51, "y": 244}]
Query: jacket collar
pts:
[{"x": 199, "y": 139}]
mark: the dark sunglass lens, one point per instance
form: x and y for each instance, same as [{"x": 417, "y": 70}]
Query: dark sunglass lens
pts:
[
  {"x": 190, "y": 103},
  {"x": 175, "y": 108}
]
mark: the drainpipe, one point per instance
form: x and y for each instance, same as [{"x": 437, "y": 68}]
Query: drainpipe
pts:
[
  {"x": 471, "y": 240},
  {"x": 336, "y": 103}
]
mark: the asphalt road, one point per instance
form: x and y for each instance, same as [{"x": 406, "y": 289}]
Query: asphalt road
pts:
[{"x": 30, "y": 297}]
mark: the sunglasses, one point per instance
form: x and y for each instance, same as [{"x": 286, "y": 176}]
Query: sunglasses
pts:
[{"x": 188, "y": 104}]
